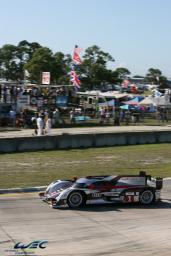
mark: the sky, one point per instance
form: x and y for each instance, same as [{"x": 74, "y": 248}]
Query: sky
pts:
[{"x": 137, "y": 33}]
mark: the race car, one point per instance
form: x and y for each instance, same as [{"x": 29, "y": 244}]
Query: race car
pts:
[{"x": 122, "y": 188}]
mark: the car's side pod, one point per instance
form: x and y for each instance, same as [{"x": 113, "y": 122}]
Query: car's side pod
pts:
[{"x": 159, "y": 183}]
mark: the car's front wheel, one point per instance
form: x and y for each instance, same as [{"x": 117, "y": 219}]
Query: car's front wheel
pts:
[
  {"x": 76, "y": 199},
  {"x": 147, "y": 197}
]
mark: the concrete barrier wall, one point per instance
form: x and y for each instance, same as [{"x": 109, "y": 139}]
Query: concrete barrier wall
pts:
[{"x": 69, "y": 141}]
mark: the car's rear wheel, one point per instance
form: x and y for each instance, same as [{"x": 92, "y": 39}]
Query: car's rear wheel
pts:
[
  {"x": 147, "y": 197},
  {"x": 76, "y": 199}
]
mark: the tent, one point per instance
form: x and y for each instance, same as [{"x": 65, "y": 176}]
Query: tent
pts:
[
  {"x": 109, "y": 103},
  {"x": 147, "y": 101}
]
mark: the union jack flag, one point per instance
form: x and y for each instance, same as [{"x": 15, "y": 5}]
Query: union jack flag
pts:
[
  {"x": 125, "y": 83},
  {"x": 76, "y": 58},
  {"x": 74, "y": 79}
]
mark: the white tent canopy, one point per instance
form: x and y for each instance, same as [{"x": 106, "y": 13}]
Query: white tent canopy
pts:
[{"x": 147, "y": 102}]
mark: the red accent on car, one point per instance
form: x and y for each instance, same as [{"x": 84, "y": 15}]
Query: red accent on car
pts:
[{"x": 91, "y": 186}]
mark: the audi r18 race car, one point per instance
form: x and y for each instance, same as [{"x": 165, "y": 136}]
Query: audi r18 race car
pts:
[{"x": 122, "y": 188}]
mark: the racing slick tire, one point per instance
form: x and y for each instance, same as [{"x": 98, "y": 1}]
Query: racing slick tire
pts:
[
  {"x": 147, "y": 197},
  {"x": 76, "y": 199}
]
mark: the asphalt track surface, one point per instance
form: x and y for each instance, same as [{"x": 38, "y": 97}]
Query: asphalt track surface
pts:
[
  {"x": 96, "y": 230},
  {"x": 88, "y": 130}
]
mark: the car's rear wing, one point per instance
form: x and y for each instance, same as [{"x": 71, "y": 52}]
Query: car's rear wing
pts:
[{"x": 159, "y": 183}]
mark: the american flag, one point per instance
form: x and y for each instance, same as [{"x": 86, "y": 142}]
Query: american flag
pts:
[
  {"x": 76, "y": 58},
  {"x": 125, "y": 83},
  {"x": 74, "y": 79}
]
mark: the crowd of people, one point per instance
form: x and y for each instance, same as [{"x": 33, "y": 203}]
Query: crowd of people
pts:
[
  {"x": 119, "y": 116},
  {"x": 42, "y": 119},
  {"x": 130, "y": 116},
  {"x": 9, "y": 94},
  {"x": 42, "y": 124}
]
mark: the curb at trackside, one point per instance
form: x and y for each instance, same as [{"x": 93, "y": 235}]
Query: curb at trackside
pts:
[
  {"x": 35, "y": 189},
  {"x": 22, "y": 190}
]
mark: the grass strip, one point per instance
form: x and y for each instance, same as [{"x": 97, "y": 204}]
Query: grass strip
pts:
[{"x": 40, "y": 168}]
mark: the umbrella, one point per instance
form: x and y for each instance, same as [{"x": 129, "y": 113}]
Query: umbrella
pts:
[{"x": 125, "y": 107}]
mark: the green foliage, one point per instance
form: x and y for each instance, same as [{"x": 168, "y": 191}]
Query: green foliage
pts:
[
  {"x": 62, "y": 64},
  {"x": 94, "y": 67},
  {"x": 93, "y": 72},
  {"x": 41, "y": 61},
  {"x": 122, "y": 72},
  {"x": 155, "y": 76},
  {"x": 13, "y": 58}
]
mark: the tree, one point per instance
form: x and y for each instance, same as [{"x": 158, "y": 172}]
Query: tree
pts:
[
  {"x": 62, "y": 63},
  {"x": 13, "y": 58},
  {"x": 41, "y": 61},
  {"x": 155, "y": 76},
  {"x": 138, "y": 76},
  {"x": 122, "y": 73},
  {"x": 94, "y": 71},
  {"x": 26, "y": 49},
  {"x": 8, "y": 64}
]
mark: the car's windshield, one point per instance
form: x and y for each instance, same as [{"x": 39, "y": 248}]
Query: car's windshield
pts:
[
  {"x": 59, "y": 185},
  {"x": 79, "y": 185}
]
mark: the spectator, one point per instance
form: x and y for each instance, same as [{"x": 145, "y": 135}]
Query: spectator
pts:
[
  {"x": 0, "y": 92},
  {"x": 5, "y": 94},
  {"x": 48, "y": 124},
  {"x": 163, "y": 115},
  {"x": 117, "y": 117},
  {"x": 127, "y": 117},
  {"x": 102, "y": 115},
  {"x": 13, "y": 117},
  {"x": 40, "y": 125},
  {"x": 55, "y": 117},
  {"x": 34, "y": 123},
  {"x": 72, "y": 116},
  {"x": 107, "y": 116}
]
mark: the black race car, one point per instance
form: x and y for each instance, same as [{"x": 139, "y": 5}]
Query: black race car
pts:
[{"x": 122, "y": 188}]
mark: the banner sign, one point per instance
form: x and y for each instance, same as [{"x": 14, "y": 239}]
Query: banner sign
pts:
[
  {"x": 23, "y": 101},
  {"x": 61, "y": 101},
  {"x": 45, "y": 77},
  {"x": 42, "y": 101}
]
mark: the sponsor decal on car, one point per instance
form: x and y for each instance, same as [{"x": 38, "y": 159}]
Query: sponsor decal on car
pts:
[{"x": 95, "y": 195}]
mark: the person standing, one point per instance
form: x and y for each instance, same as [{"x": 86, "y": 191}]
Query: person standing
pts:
[
  {"x": 107, "y": 115},
  {"x": 102, "y": 115},
  {"x": 55, "y": 117},
  {"x": 13, "y": 117},
  {"x": 0, "y": 92},
  {"x": 48, "y": 124},
  {"x": 72, "y": 116},
  {"x": 40, "y": 125},
  {"x": 34, "y": 123},
  {"x": 127, "y": 117},
  {"x": 5, "y": 94},
  {"x": 117, "y": 116}
]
